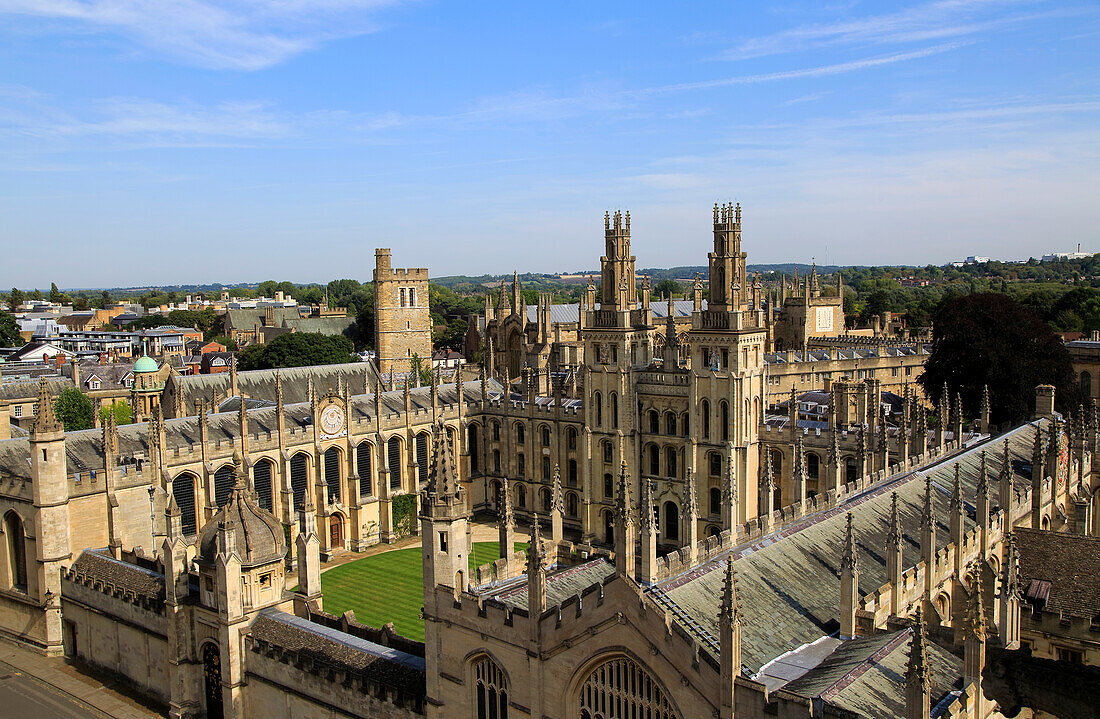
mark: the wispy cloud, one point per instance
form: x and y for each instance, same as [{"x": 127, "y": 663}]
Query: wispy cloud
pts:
[
  {"x": 922, "y": 23},
  {"x": 237, "y": 34}
]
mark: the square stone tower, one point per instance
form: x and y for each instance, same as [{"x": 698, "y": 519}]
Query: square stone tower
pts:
[{"x": 402, "y": 323}]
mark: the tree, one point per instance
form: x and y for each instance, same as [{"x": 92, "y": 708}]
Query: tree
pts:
[
  {"x": 421, "y": 369},
  {"x": 121, "y": 411},
  {"x": 55, "y": 294},
  {"x": 990, "y": 339},
  {"x": 74, "y": 409},
  {"x": 105, "y": 298},
  {"x": 364, "y": 325},
  {"x": 668, "y": 288},
  {"x": 9, "y": 330},
  {"x": 16, "y": 297},
  {"x": 36, "y": 295},
  {"x": 298, "y": 349},
  {"x": 80, "y": 303}
]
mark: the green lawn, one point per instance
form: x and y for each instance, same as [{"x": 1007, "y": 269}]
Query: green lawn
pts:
[{"x": 388, "y": 587}]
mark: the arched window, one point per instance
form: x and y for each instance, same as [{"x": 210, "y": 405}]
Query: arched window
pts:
[
  {"x": 597, "y": 400},
  {"x": 332, "y": 473},
  {"x": 620, "y": 687},
  {"x": 494, "y": 493},
  {"x": 521, "y": 496},
  {"x": 546, "y": 469},
  {"x": 1086, "y": 384},
  {"x": 491, "y": 688},
  {"x": 471, "y": 445},
  {"x": 496, "y": 431},
  {"x": 299, "y": 478},
  {"x": 672, "y": 521},
  {"x": 670, "y": 461},
  {"x": 422, "y": 441},
  {"x": 654, "y": 460},
  {"x": 851, "y": 470},
  {"x": 813, "y": 466},
  {"x": 520, "y": 434},
  {"x": 545, "y": 435},
  {"x": 393, "y": 451},
  {"x": 714, "y": 461},
  {"x": 670, "y": 423},
  {"x": 614, "y": 410},
  {"x": 223, "y": 484},
  {"x": 571, "y": 478},
  {"x": 608, "y": 485},
  {"x": 608, "y": 452},
  {"x": 363, "y": 468},
  {"x": 544, "y": 496},
  {"x": 521, "y": 465},
  {"x": 725, "y": 410},
  {"x": 17, "y": 551},
  {"x": 496, "y": 460},
  {"x": 608, "y": 527},
  {"x": 715, "y": 500},
  {"x": 571, "y": 438},
  {"x": 654, "y": 421},
  {"x": 684, "y": 424},
  {"x": 183, "y": 489},
  {"x": 704, "y": 409},
  {"x": 262, "y": 474},
  {"x": 571, "y": 504}
]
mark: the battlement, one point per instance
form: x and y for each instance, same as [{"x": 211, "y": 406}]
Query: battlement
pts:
[
  {"x": 617, "y": 224},
  {"x": 727, "y": 216}
]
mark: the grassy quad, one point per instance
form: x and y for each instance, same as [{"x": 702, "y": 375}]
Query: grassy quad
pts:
[{"x": 389, "y": 587}]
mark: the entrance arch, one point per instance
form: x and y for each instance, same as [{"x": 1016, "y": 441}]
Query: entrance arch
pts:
[
  {"x": 336, "y": 531},
  {"x": 212, "y": 680}
]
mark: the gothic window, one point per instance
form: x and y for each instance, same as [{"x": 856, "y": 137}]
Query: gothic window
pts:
[
  {"x": 851, "y": 470},
  {"x": 299, "y": 478},
  {"x": 684, "y": 424},
  {"x": 705, "y": 411},
  {"x": 183, "y": 489},
  {"x": 471, "y": 444},
  {"x": 223, "y": 483},
  {"x": 363, "y": 469},
  {"x": 670, "y": 462},
  {"x": 545, "y": 436},
  {"x": 521, "y": 496},
  {"x": 608, "y": 453},
  {"x": 17, "y": 551},
  {"x": 620, "y": 687},
  {"x": 402, "y": 296},
  {"x": 520, "y": 435},
  {"x": 608, "y": 527},
  {"x": 261, "y": 480},
  {"x": 494, "y": 492},
  {"x": 672, "y": 521},
  {"x": 608, "y": 485},
  {"x": 597, "y": 399},
  {"x": 544, "y": 495},
  {"x": 521, "y": 465},
  {"x": 496, "y": 460},
  {"x": 1086, "y": 384},
  {"x": 715, "y": 460},
  {"x": 571, "y": 478},
  {"x": 422, "y": 457},
  {"x": 394, "y": 458},
  {"x": 571, "y": 438},
  {"x": 813, "y": 466},
  {"x": 614, "y": 410},
  {"x": 546, "y": 469},
  {"x": 715, "y": 500},
  {"x": 496, "y": 431},
  {"x": 725, "y": 411},
  {"x": 670, "y": 423},
  {"x": 491, "y": 686},
  {"x": 332, "y": 473},
  {"x": 654, "y": 421}
]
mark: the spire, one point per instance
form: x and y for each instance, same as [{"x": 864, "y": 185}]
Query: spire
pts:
[
  {"x": 507, "y": 516},
  {"x": 535, "y": 554},
  {"x": 691, "y": 502},
  {"x": 731, "y": 603},
  {"x": 983, "y": 472},
  {"x": 850, "y": 560},
  {"x": 928, "y": 512},
  {"x": 646, "y": 521},
  {"x": 918, "y": 675},
  {"x": 45, "y": 420},
  {"x": 1006, "y": 471},
  {"x": 893, "y": 538},
  {"x": 442, "y": 474},
  {"x": 974, "y": 623},
  {"x": 956, "y": 492}
]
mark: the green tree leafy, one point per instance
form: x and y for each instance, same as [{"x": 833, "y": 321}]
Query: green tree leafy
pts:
[
  {"x": 298, "y": 349},
  {"x": 74, "y": 409},
  {"x": 9, "y": 330}
]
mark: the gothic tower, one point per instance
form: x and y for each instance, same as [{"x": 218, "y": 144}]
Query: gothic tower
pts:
[{"x": 402, "y": 323}]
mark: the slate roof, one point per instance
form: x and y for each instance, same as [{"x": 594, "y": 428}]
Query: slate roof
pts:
[
  {"x": 143, "y": 582},
  {"x": 789, "y": 588},
  {"x": 341, "y": 650},
  {"x": 27, "y": 390},
  {"x": 571, "y": 312},
  {"x": 867, "y": 675},
  {"x": 1069, "y": 562},
  {"x": 560, "y": 585}
]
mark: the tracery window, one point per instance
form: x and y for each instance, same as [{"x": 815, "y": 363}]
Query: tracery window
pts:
[
  {"x": 620, "y": 689},
  {"x": 491, "y": 686}
]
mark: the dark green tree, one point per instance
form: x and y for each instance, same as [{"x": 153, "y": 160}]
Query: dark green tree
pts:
[
  {"x": 80, "y": 303},
  {"x": 105, "y": 298},
  {"x": 298, "y": 349},
  {"x": 422, "y": 369},
  {"x": 9, "y": 330},
  {"x": 74, "y": 409},
  {"x": 16, "y": 297},
  {"x": 121, "y": 411},
  {"x": 56, "y": 296},
  {"x": 664, "y": 288},
  {"x": 36, "y": 294},
  {"x": 989, "y": 339}
]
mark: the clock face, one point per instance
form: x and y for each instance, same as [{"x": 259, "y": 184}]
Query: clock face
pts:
[{"x": 332, "y": 419}]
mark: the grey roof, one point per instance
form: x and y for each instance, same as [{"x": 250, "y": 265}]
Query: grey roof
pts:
[
  {"x": 324, "y": 325},
  {"x": 247, "y": 319},
  {"x": 341, "y": 650},
  {"x": 1069, "y": 562},
  {"x": 867, "y": 675},
  {"x": 28, "y": 390},
  {"x": 790, "y": 589},
  {"x": 560, "y": 585},
  {"x": 258, "y": 536},
  {"x": 97, "y": 565}
]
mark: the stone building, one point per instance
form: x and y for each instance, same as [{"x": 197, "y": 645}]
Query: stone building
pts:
[
  {"x": 688, "y": 557},
  {"x": 403, "y": 324}
]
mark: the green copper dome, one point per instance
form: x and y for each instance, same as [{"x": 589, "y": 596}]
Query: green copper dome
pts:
[{"x": 146, "y": 364}]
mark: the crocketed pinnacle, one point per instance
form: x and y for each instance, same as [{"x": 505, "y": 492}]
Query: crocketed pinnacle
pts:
[
  {"x": 45, "y": 419},
  {"x": 850, "y": 559},
  {"x": 893, "y": 538},
  {"x": 974, "y": 622},
  {"x": 731, "y": 603},
  {"x": 442, "y": 477},
  {"x": 917, "y": 672}
]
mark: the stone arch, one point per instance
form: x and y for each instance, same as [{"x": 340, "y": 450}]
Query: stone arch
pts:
[
  {"x": 813, "y": 465},
  {"x": 572, "y": 504},
  {"x": 618, "y": 678},
  {"x": 724, "y": 415},
  {"x": 223, "y": 484},
  {"x": 672, "y": 464},
  {"x": 336, "y": 534},
  {"x": 613, "y": 400},
  {"x": 521, "y": 495},
  {"x": 684, "y": 424},
  {"x": 571, "y": 438},
  {"x": 715, "y": 501},
  {"x": 183, "y": 490},
  {"x": 672, "y": 521},
  {"x": 364, "y": 467},
  {"x": 15, "y": 546},
  {"x": 1086, "y": 383},
  {"x": 597, "y": 403},
  {"x": 263, "y": 479},
  {"x": 490, "y": 684},
  {"x": 608, "y": 526},
  {"x": 212, "y": 679},
  {"x": 653, "y": 452},
  {"x": 544, "y": 435},
  {"x": 521, "y": 433},
  {"x": 545, "y": 499},
  {"x": 423, "y": 442},
  {"x": 571, "y": 476},
  {"x": 332, "y": 467},
  {"x": 713, "y": 530},
  {"x": 494, "y": 493},
  {"x": 472, "y": 446},
  {"x": 299, "y": 478},
  {"x": 393, "y": 461},
  {"x": 654, "y": 421},
  {"x": 704, "y": 413},
  {"x": 670, "y": 423}
]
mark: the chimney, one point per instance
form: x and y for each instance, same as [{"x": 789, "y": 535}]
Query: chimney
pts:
[{"x": 1044, "y": 401}]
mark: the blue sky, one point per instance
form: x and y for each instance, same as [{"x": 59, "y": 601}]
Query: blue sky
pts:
[{"x": 184, "y": 141}]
